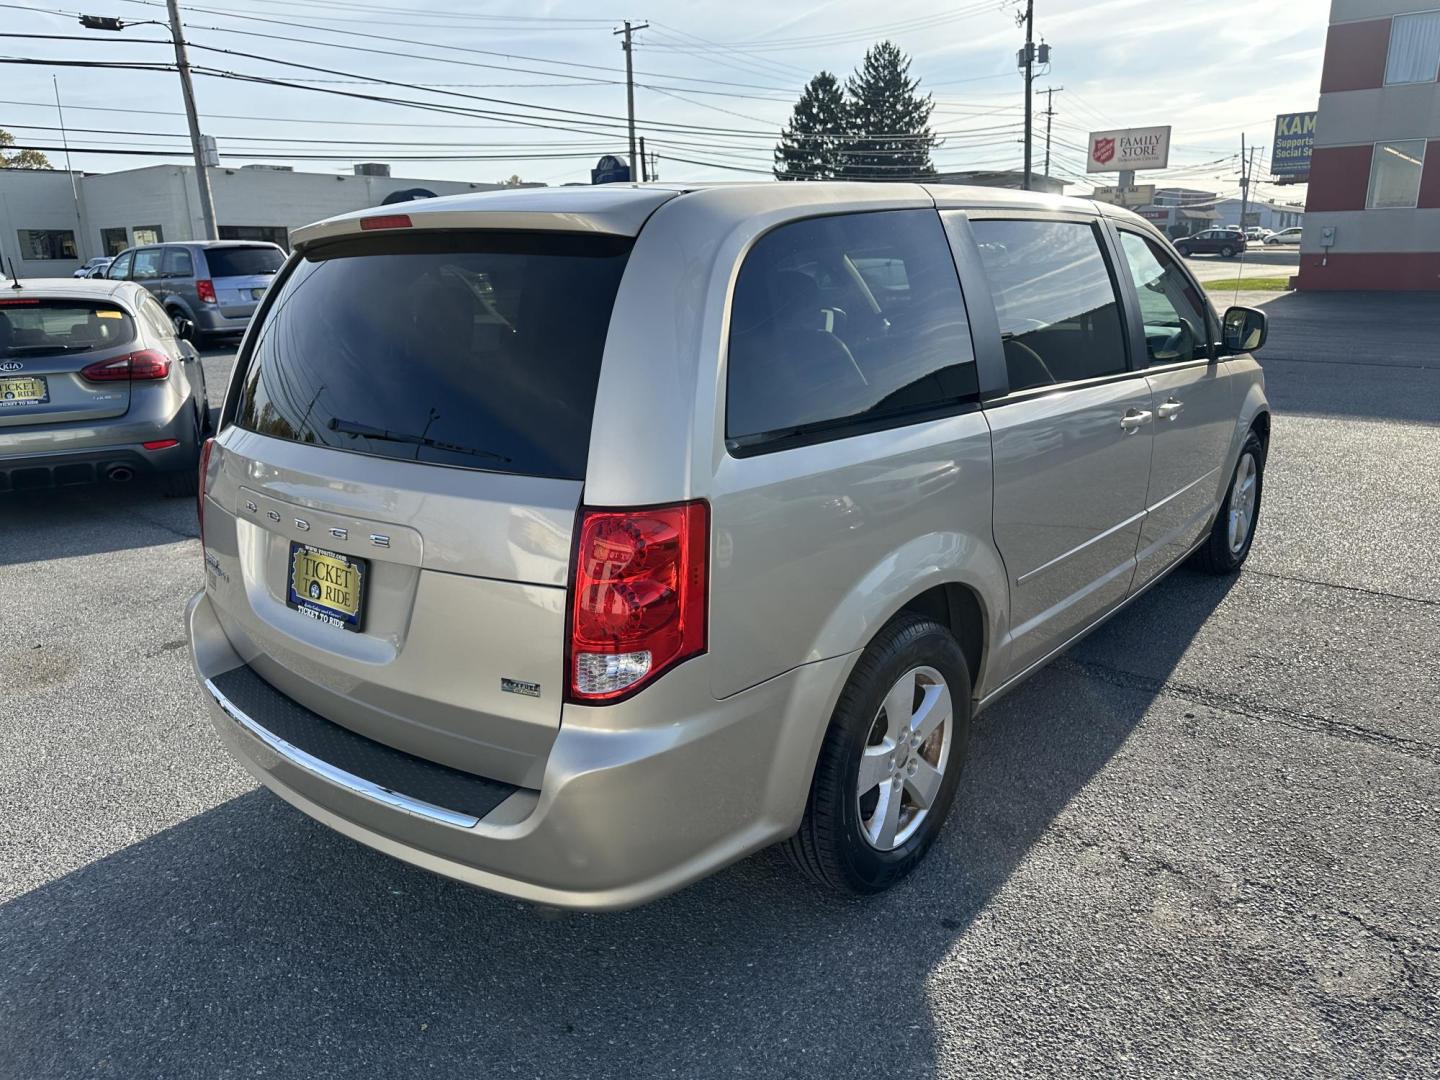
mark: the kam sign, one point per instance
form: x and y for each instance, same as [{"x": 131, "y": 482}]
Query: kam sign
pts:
[
  {"x": 1129, "y": 148},
  {"x": 1294, "y": 140}
]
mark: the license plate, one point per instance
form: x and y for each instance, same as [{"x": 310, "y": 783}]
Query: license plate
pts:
[
  {"x": 256, "y": 294},
  {"x": 327, "y": 586},
  {"x": 29, "y": 390}
]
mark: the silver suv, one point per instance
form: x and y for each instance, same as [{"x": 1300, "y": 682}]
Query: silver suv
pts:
[
  {"x": 575, "y": 543},
  {"x": 207, "y": 288}
]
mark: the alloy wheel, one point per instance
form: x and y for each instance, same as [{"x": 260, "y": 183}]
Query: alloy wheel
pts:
[
  {"x": 903, "y": 764},
  {"x": 1243, "y": 497}
]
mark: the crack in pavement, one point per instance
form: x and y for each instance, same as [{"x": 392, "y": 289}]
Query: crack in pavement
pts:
[
  {"x": 1292, "y": 718},
  {"x": 1346, "y": 588}
]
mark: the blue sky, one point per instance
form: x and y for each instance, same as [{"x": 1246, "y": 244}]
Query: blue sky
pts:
[{"x": 715, "y": 80}]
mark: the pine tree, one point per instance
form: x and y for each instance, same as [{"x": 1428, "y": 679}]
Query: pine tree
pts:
[
  {"x": 890, "y": 121},
  {"x": 810, "y": 145}
]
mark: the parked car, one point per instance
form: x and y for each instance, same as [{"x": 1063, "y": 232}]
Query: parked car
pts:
[
  {"x": 1223, "y": 242},
  {"x": 1285, "y": 236},
  {"x": 1257, "y": 234},
  {"x": 95, "y": 386},
  {"x": 577, "y": 542},
  {"x": 89, "y": 269},
  {"x": 96, "y": 271},
  {"x": 208, "y": 288}
]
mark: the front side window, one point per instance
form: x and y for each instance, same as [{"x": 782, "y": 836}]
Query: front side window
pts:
[
  {"x": 846, "y": 320},
  {"x": 479, "y": 350},
  {"x": 1395, "y": 172},
  {"x": 120, "y": 268},
  {"x": 1414, "y": 55},
  {"x": 47, "y": 244},
  {"x": 1059, "y": 317},
  {"x": 1170, "y": 304}
]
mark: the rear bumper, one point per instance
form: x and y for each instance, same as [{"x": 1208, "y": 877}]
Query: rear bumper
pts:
[
  {"x": 638, "y": 799},
  {"x": 211, "y": 320},
  {"x": 63, "y": 454}
]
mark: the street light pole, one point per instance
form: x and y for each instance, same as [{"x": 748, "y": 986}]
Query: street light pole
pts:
[
  {"x": 182, "y": 64},
  {"x": 202, "y": 176}
]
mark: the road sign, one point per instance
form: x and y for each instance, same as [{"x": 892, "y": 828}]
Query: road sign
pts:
[
  {"x": 1126, "y": 149},
  {"x": 1294, "y": 139},
  {"x": 1134, "y": 195},
  {"x": 610, "y": 170}
]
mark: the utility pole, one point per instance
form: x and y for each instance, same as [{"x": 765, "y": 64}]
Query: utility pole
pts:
[
  {"x": 1029, "y": 75},
  {"x": 80, "y": 246},
  {"x": 1050, "y": 92},
  {"x": 627, "y": 45},
  {"x": 644, "y": 175},
  {"x": 1245, "y": 170},
  {"x": 202, "y": 177}
]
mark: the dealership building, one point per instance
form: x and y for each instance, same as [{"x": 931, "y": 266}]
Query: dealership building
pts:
[
  {"x": 1373, "y": 206},
  {"x": 51, "y": 221}
]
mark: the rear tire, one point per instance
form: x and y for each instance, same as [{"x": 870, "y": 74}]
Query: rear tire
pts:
[
  {"x": 1183, "y": 250},
  {"x": 848, "y": 842},
  {"x": 1227, "y": 252},
  {"x": 1234, "y": 530}
]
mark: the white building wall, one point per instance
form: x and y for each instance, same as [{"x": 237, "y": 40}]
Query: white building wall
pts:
[{"x": 38, "y": 199}]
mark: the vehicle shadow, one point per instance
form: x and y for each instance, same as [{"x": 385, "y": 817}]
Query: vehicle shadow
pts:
[
  {"x": 57, "y": 523},
  {"x": 250, "y": 940}
]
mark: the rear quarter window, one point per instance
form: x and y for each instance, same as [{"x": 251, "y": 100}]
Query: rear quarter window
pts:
[{"x": 478, "y": 350}]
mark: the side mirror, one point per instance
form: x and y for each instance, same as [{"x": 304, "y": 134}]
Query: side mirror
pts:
[{"x": 1245, "y": 329}]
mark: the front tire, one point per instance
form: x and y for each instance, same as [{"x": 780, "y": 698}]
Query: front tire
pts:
[
  {"x": 1227, "y": 252},
  {"x": 890, "y": 763},
  {"x": 1184, "y": 251},
  {"x": 1234, "y": 530}
]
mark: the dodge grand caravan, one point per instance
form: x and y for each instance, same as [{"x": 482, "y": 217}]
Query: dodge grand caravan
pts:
[{"x": 575, "y": 543}]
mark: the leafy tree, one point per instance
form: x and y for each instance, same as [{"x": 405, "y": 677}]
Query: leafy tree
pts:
[
  {"x": 889, "y": 120},
  {"x": 22, "y": 159},
  {"x": 514, "y": 181},
  {"x": 811, "y": 144}
]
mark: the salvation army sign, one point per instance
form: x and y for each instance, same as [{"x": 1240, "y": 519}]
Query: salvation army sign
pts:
[{"x": 1129, "y": 148}]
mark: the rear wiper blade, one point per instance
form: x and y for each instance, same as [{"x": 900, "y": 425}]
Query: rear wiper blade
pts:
[{"x": 354, "y": 427}]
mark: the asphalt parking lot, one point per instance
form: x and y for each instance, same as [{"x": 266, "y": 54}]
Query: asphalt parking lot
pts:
[{"x": 1205, "y": 843}]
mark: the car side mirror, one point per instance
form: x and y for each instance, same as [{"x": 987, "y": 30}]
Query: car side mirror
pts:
[{"x": 1245, "y": 329}]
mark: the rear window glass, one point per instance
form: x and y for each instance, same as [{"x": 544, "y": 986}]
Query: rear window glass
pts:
[
  {"x": 37, "y": 327},
  {"x": 243, "y": 261},
  {"x": 479, "y": 350}
]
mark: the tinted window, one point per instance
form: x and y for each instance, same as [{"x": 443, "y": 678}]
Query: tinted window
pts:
[
  {"x": 49, "y": 327},
  {"x": 479, "y": 350},
  {"x": 147, "y": 264},
  {"x": 243, "y": 261},
  {"x": 1170, "y": 304},
  {"x": 1059, "y": 319},
  {"x": 852, "y": 318},
  {"x": 178, "y": 262}
]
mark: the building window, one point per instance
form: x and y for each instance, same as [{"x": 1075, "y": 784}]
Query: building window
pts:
[
  {"x": 148, "y": 234},
  {"x": 113, "y": 241},
  {"x": 46, "y": 243},
  {"x": 1395, "y": 174},
  {"x": 1414, "y": 55},
  {"x": 270, "y": 234}
]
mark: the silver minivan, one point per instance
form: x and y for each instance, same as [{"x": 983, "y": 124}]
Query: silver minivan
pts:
[{"x": 575, "y": 543}]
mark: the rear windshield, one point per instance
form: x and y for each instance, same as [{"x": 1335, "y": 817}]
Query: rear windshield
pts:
[
  {"x": 31, "y": 326},
  {"x": 244, "y": 261},
  {"x": 479, "y": 350}
]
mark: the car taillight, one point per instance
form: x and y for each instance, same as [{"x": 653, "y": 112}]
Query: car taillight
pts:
[
  {"x": 639, "y": 600},
  {"x": 145, "y": 364},
  {"x": 200, "y": 488},
  {"x": 205, "y": 289}
]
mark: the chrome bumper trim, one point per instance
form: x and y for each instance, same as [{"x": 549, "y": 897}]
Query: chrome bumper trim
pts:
[{"x": 323, "y": 770}]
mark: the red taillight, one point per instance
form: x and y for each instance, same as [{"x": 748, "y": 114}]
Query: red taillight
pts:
[
  {"x": 145, "y": 364},
  {"x": 205, "y": 289},
  {"x": 638, "y": 606},
  {"x": 386, "y": 221},
  {"x": 200, "y": 489}
]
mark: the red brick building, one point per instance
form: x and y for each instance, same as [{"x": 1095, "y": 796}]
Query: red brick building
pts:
[{"x": 1375, "y": 168}]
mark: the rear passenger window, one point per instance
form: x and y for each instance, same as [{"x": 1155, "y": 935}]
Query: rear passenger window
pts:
[
  {"x": 1170, "y": 303},
  {"x": 178, "y": 263},
  {"x": 1059, "y": 318},
  {"x": 846, "y": 320}
]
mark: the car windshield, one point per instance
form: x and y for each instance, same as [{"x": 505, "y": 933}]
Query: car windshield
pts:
[
  {"x": 36, "y": 326},
  {"x": 244, "y": 261}
]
